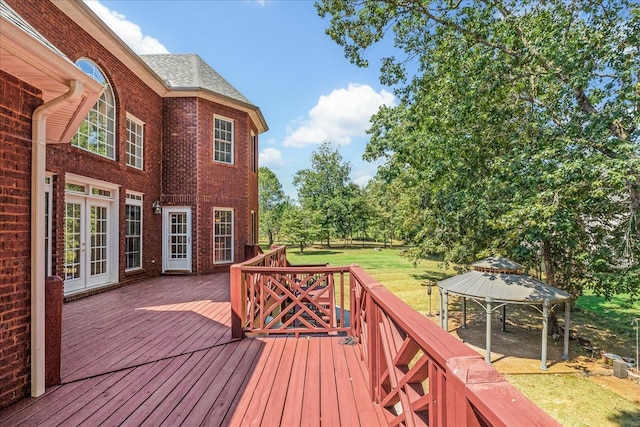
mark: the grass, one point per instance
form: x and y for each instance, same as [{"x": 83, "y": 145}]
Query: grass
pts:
[
  {"x": 577, "y": 402},
  {"x": 396, "y": 273},
  {"x": 571, "y": 399}
]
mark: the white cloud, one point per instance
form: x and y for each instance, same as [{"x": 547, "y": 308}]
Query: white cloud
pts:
[
  {"x": 271, "y": 158},
  {"x": 339, "y": 116},
  {"x": 129, "y": 32},
  {"x": 363, "y": 180}
]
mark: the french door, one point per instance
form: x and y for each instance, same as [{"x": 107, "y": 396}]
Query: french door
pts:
[
  {"x": 176, "y": 239},
  {"x": 87, "y": 243}
]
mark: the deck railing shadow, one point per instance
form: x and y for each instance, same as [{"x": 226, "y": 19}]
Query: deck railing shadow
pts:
[{"x": 419, "y": 374}]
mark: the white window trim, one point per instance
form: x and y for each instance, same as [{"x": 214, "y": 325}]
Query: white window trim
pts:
[
  {"x": 114, "y": 218},
  {"x": 48, "y": 189},
  {"x": 137, "y": 121},
  {"x": 110, "y": 92},
  {"x": 233, "y": 138},
  {"x": 254, "y": 152},
  {"x": 233, "y": 234},
  {"x": 137, "y": 201}
]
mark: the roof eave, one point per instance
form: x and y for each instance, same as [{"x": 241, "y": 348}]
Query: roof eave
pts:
[
  {"x": 253, "y": 111},
  {"x": 38, "y": 65},
  {"x": 82, "y": 15}
]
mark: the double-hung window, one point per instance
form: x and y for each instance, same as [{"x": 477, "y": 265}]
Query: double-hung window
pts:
[
  {"x": 135, "y": 142},
  {"x": 133, "y": 236},
  {"x": 223, "y": 140},
  {"x": 223, "y": 235}
]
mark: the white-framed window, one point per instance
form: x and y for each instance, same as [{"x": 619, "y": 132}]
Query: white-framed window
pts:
[
  {"x": 135, "y": 142},
  {"x": 223, "y": 140},
  {"x": 97, "y": 131},
  {"x": 222, "y": 235},
  {"x": 133, "y": 233}
]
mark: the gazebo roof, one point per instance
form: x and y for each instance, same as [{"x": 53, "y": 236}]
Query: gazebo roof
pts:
[{"x": 493, "y": 278}]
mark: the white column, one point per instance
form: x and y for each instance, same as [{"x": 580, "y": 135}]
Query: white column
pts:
[
  {"x": 440, "y": 306},
  {"x": 545, "y": 328},
  {"x": 487, "y": 358},
  {"x": 446, "y": 310},
  {"x": 567, "y": 327}
]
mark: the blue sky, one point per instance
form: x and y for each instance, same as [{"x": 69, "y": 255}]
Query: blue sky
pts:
[{"x": 276, "y": 53}]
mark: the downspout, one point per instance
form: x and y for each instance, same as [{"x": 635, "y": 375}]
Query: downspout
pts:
[{"x": 38, "y": 169}]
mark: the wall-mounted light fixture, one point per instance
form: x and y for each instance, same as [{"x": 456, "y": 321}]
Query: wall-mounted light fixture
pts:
[{"x": 156, "y": 207}]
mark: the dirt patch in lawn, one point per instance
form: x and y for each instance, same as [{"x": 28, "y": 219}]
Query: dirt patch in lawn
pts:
[{"x": 518, "y": 349}]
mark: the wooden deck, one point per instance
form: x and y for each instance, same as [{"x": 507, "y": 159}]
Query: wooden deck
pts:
[{"x": 161, "y": 353}]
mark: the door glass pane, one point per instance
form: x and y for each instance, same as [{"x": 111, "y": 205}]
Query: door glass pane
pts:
[
  {"x": 178, "y": 235},
  {"x": 98, "y": 240},
  {"x": 72, "y": 241}
]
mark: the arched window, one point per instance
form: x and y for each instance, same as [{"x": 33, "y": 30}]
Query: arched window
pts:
[{"x": 97, "y": 131}]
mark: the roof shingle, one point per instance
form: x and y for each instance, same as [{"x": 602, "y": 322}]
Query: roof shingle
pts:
[{"x": 189, "y": 71}]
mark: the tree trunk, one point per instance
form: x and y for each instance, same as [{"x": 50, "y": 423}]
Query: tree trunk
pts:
[
  {"x": 270, "y": 233},
  {"x": 634, "y": 202},
  {"x": 547, "y": 258}
]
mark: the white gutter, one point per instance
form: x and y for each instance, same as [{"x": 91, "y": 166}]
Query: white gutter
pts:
[{"x": 38, "y": 169}]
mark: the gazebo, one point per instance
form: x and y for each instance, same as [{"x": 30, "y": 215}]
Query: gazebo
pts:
[{"x": 495, "y": 282}]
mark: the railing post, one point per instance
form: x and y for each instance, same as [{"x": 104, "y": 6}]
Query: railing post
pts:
[
  {"x": 459, "y": 373},
  {"x": 238, "y": 301},
  {"x": 372, "y": 344},
  {"x": 53, "y": 329},
  {"x": 375, "y": 342}
]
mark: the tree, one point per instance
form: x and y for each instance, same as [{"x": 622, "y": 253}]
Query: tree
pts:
[
  {"x": 322, "y": 189},
  {"x": 300, "y": 226},
  {"x": 519, "y": 130},
  {"x": 271, "y": 200}
]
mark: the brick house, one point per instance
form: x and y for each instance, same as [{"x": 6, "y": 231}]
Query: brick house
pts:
[{"x": 114, "y": 168}]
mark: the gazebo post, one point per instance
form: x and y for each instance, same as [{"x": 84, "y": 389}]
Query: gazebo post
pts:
[
  {"x": 446, "y": 310},
  {"x": 440, "y": 306},
  {"x": 545, "y": 328},
  {"x": 567, "y": 326},
  {"x": 464, "y": 313},
  {"x": 487, "y": 358}
]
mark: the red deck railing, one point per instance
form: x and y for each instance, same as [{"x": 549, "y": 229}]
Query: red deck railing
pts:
[{"x": 419, "y": 373}]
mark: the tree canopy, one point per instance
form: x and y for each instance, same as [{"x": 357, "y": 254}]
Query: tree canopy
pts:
[
  {"x": 271, "y": 201},
  {"x": 324, "y": 190},
  {"x": 517, "y": 131}
]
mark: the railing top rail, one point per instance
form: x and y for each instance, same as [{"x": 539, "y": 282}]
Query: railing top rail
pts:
[
  {"x": 258, "y": 258},
  {"x": 294, "y": 270}
]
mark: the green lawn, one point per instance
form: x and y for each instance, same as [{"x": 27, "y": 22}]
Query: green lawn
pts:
[
  {"x": 386, "y": 265},
  {"x": 571, "y": 399}
]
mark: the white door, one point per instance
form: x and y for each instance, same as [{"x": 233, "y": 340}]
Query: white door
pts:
[
  {"x": 176, "y": 238},
  {"x": 86, "y": 243}
]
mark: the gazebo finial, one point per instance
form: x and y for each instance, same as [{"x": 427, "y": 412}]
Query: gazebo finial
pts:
[{"x": 498, "y": 264}]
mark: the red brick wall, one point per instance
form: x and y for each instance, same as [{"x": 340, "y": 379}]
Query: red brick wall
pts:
[
  {"x": 17, "y": 103},
  {"x": 132, "y": 95},
  {"x": 223, "y": 185},
  {"x": 192, "y": 178}
]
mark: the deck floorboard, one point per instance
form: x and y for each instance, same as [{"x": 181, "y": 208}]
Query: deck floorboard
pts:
[{"x": 161, "y": 353}]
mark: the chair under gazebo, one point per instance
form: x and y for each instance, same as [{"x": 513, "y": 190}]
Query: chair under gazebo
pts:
[{"x": 495, "y": 282}]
